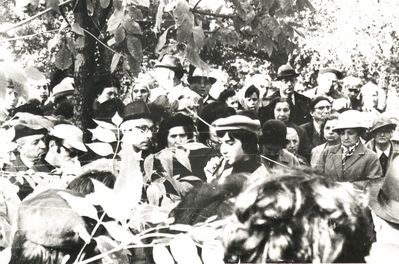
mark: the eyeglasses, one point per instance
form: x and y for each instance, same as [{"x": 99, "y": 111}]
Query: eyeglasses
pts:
[
  {"x": 325, "y": 107},
  {"x": 143, "y": 129}
]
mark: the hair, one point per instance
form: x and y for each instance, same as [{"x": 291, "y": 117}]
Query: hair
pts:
[
  {"x": 64, "y": 109},
  {"x": 84, "y": 185},
  {"x": 297, "y": 216},
  {"x": 251, "y": 90},
  {"x": 31, "y": 107},
  {"x": 209, "y": 114},
  {"x": 229, "y": 92},
  {"x": 277, "y": 100},
  {"x": 249, "y": 140},
  {"x": 103, "y": 81},
  {"x": 175, "y": 121}
]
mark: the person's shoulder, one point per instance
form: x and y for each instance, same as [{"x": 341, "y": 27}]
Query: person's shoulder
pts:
[{"x": 301, "y": 97}]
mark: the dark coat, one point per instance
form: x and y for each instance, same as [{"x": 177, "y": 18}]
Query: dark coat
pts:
[
  {"x": 392, "y": 155},
  {"x": 360, "y": 168},
  {"x": 300, "y": 112},
  {"x": 315, "y": 139}
]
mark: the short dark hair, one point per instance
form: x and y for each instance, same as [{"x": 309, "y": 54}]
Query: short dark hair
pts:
[
  {"x": 249, "y": 140},
  {"x": 229, "y": 92},
  {"x": 106, "y": 80},
  {"x": 177, "y": 120},
  {"x": 328, "y": 118},
  {"x": 251, "y": 90},
  {"x": 84, "y": 185}
]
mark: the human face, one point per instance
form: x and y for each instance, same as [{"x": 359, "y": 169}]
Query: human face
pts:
[
  {"x": 251, "y": 102},
  {"x": 107, "y": 94},
  {"x": 293, "y": 140},
  {"x": 177, "y": 136},
  {"x": 327, "y": 82},
  {"x": 201, "y": 85},
  {"x": 231, "y": 149},
  {"x": 232, "y": 102},
  {"x": 353, "y": 93},
  {"x": 138, "y": 133},
  {"x": 39, "y": 92},
  {"x": 349, "y": 137},
  {"x": 383, "y": 135},
  {"x": 321, "y": 110},
  {"x": 59, "y": 155},
  {"x": 286, "y": 87},
  {"x": 11, "y": 99},
  {"x": 369, "y": 99},
  {"x": 140, "y": 93},
  {"x": 329, "y": 134},
  {"x": 282, "y": 111},
  {"x": 32, "y": 147}
]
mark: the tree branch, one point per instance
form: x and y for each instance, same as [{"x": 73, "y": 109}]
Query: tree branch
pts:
[
  {"x": 195, "y": 6},
  {"x": 23, "y": 22},
  {"x": 206, "y": 13},
  {"x": 29, "y": 36}
]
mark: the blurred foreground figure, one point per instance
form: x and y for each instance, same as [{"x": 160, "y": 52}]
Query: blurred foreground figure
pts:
[{"x": 296, "y": 217}]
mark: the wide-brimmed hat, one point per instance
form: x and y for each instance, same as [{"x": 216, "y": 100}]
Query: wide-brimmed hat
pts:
[
  {"x": 65, "y": 87},
  {"x": 382, "y": 122},
  {"x": 286, "y": 71},
  {"x": 197, "y": 74},
  {"x": 170, "y": 62},
  {"x": 337, "y": 73},
  {"x": 136, "y": 110},
  {"x": 274, "y": 133},
  {"x": 71, "y": 134},
  {"x": 237, "y": 122},
  {"x": 384, "y": 199},
  {"x": 25, "y": 131},
  {"x": 350, "y": 119}
]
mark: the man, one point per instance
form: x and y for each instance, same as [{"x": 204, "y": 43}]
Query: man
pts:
[
  {"x": 381, "y": 142},
  {"x": 107, "y": 88},
  {"x": 320, "y": 109},
  {"x": 201, "y": 83},
  {"x": 286, "y": 79},
  {"x": 61, "y": 100},
  {"x": 31, "y": 148},
  {"x": 352, "y": 86},
  {"x": 293, "y": 145},
  {"x": 137, "y": 128},
  {"x": 65, "y": 143},
  {"x": 273, "y": 141},
  {"x": 9, "y": 101},
  {"x": 38, "y": 90}
]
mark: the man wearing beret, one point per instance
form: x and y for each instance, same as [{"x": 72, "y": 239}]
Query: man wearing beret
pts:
[
  {"x": 381, "y": 142},
  {"x": 300, "y": 112},
  {"x": 31, "y": 148}
]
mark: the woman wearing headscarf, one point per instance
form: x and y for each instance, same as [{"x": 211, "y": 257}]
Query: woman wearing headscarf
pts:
[{"x": 350, "y": 161}]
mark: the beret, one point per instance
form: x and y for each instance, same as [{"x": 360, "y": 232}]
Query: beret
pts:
[{"x": 317, "y": 100}]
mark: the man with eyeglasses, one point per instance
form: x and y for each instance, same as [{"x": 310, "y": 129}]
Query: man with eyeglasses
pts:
[
  {"x": 381, "y": 143},
  {"x": 65, "y": 143},
  {"x": 320, "y": 110},
  {"x": 138, "y": 129}
]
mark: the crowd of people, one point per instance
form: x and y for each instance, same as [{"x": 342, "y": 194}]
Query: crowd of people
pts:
[{"x": 342, "y": 130}]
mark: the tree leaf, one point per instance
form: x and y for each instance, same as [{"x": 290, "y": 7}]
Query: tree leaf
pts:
[
  {"x": 115, "y": 20},
  {"x": 115, "y": 60},
  {"x": 145, "y": 3},
  {"x": 116, "y": 119},
  {"x": 198, "y": 38},
  {"x": 190, "y": 178},
  {"x": 189, "y": 254},
  {"x": 33, "y": 73},
  {"x": 120, "y": 34},
  {"x": 77, "y": 29},
  {"x": 105, "y": 244},
  {"x": 101, "y": 149},
  {"x": 132, "y": 27},
  {"x": 134, "y": 47},
  {"x": 162, "y": 40},
  {"x": 166, "y": 159},
  {"x": 213, "y": 252},
  {"x": 5, "y": 255},
  {"x": 118, "y": 233},
  {"x": 80, "y": 205},
  {"x": 134, "y": 65},
  {"x": 158, "y": 17},
  {"x": 104, "y": 124},
  {"x": 104, "y": 3},
  {"x": 161, "y": 255},
  {"x": 154, "y": 192},
  {"x": 63, "y": 59},
  {"x": 79, "y": 60},
  {"x": 182, "y": 157},
  {"x": 103, "y": 134}
]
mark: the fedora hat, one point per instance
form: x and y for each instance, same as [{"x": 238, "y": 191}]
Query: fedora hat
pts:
[
  {"x": 170, "y": 62},
  {"x": 197, "y": 74},
  {"x": 382, "y": 122},
  {"x": 286, "y": 71},
  {"x": 384, "y": 199},
  {"x": 72, "y": 135},
  {"x": 337, "y": 73},
  {"x": 350, "y": 119},
  {"x": 65, "y": 87}
]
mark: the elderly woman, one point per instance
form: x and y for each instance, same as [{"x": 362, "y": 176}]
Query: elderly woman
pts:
[{"x": 350, "y": 161}]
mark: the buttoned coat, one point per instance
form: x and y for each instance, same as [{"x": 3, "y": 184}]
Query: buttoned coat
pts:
[
  {"x": 393, "y": 153},
  {"x": 359, "y": 168}
]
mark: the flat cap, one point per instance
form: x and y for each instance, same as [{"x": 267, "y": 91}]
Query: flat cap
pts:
[
  {"x": 24, "y": 131},
  {"x": 338, "y": 73},
  {"x": 236, "y": 122}
]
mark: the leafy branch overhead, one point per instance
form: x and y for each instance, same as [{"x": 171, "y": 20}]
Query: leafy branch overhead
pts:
[{"x": 180, "y": 26}]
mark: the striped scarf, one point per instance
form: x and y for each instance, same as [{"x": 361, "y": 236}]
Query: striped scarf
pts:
[{"x": 348, "y": 152}]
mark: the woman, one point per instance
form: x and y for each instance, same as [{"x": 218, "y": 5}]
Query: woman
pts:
[
  {"x": 239, "y": 148},
  {"x": 350, "y": 161},
  {"x": 175, "y": 131},
  {"x": 141, "y": 91},
  {"x": 331, "y": 137},
  {"x": 229, "y": 97}
]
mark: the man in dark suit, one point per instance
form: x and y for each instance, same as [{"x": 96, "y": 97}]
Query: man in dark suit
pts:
[{"x": 300, "y": 112}]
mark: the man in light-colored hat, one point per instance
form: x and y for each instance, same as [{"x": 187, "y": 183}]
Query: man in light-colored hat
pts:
[
  {"x": 65, "y": 143},
  {"x": 381, "y": 142},
  {"x": 286, "y": 80},
  {"x": 383, "y": 202},
  {"x": 201, "y": 83}
]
